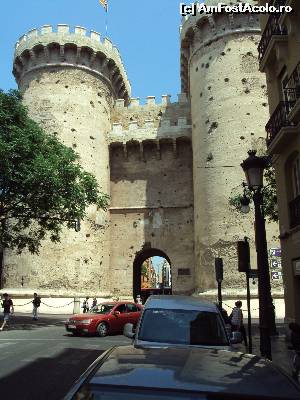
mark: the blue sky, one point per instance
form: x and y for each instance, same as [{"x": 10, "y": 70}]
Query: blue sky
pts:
[{"x": 146, "y": 33}]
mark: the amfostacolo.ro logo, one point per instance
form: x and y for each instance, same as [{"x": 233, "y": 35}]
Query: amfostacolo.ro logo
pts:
[{"x": 238, "y": 8}]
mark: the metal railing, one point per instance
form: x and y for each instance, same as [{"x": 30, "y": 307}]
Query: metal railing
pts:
[
  {"x": 272, "y": 28},
  {"x": 278, "y": 119},
  {"x": 292, "y": 88},
  {"x": 294, "y": 207}
]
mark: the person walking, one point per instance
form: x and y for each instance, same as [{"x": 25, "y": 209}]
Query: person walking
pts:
[
  {"x": 94, "y": 305},
  {"x": 8, "y": 308},
  {"x": 85, "y": 305},
  {"x": 237, "y": 323},
  {"x": 36, "y": 303}
]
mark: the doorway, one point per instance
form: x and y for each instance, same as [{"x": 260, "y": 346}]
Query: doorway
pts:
[{"x": 151, "y": 274}]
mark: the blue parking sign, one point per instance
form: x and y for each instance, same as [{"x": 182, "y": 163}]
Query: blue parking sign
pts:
[{"x": 275, "y": 252}]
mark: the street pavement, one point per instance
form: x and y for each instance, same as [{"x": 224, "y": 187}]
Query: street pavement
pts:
[{"x": 40, "y": 360}]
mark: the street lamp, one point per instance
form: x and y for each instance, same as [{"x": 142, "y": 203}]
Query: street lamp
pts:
[
  {"x": 245, "y": 201},
  {"x": 254, "y": 167}
]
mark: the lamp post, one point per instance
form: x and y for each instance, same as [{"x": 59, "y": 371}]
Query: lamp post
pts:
[{"x": 254, "y": 167}]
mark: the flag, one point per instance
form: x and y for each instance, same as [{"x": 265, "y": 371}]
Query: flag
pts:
[{"x": 104, "y": 4}]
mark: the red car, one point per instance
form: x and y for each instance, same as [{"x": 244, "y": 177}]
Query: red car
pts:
[{"x": 105, "y": 318}]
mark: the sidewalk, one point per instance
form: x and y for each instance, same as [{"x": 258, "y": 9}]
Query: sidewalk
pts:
[{"x": 281, "y": 356}]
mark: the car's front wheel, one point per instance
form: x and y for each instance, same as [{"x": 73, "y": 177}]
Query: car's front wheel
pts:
[{"x": 102, "y": 329}]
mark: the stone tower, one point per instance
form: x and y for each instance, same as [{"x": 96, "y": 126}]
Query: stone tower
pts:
[
  {"x": 219, "y": 71},
  {"x": 70, "y": 80}
]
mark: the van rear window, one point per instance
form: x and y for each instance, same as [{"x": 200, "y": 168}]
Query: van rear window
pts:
[{"x": 190, "y": 327}]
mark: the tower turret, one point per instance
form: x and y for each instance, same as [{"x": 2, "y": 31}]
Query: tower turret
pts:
[
  {"x": 69, "y": 81},
  {"x": 219, "y": 70}
]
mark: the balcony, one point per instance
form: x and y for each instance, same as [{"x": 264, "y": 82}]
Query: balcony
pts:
[
  {"x": 273, "y": 34},
  {"x": 279, "y": 120},
  {"x": 292, "y": 94},
  {"x": 294, "y": 207},
  {"x": 288, "y": 19}
]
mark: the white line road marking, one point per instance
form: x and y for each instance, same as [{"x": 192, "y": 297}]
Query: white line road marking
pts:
[
  {"x": 36, "y": 340},
  {"x": 7, "y": 344}
]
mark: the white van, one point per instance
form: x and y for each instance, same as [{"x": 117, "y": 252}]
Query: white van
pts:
[{"x": 180, "y": 321}]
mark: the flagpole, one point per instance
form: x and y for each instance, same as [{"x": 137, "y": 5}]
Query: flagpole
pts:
[{"x": 106, "y": 21}]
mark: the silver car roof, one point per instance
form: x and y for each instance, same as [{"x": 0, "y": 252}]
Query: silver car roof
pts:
[
  {"x": 207, "y": 370},
  {"x": 175, "y": 302}
]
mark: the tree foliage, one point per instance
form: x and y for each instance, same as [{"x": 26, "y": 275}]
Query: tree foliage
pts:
[{"x": 42, "y": 184}]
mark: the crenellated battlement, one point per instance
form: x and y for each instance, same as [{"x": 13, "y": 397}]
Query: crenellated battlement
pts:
[
  {"x": 151, "y": 116},
  {"x": 149, "y": 130},
  {"x": 151, "y": 101},
  {"x": 199, "y": 31},
  {"x": 77, "y": 47}
]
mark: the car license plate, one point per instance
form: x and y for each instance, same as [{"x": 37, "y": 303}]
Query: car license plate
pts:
[{"x": 72, "y": 326}]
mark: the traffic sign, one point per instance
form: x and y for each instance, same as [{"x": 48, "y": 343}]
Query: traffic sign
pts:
[
  {"x": 275, "y": 264},
  {"x": 275, "y": 252},
  {"x": 276, "y": 275}
]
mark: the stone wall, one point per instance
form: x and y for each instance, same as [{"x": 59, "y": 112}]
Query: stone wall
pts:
[
  {"x": 69, "y": 82},
  {"x": 152, "y": 205},
  {"x": 229, "y": 111}
]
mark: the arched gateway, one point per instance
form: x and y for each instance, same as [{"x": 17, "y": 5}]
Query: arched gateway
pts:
[{"x": 140, "y": 258}]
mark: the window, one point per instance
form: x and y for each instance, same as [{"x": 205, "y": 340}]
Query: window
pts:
[
  {"x": 292, "y": 176},
  {"x": 103, "y": 308},
  {"x": 284, "y": 93},
  {"x": 296, "y": 177},
  {"x": 132, "y": 308},
  {"x": 190, "y": 327},
  {"x": 121, "y": 308}
]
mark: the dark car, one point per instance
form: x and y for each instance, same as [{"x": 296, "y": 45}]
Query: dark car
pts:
[
  {"x": 105, "y": 318},
  {"x": 131, "y": 373}
]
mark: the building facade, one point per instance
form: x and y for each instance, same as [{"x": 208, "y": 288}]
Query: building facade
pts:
[
  {"x": 169, "y": 168},
  {"x": 279, "y": 59}
]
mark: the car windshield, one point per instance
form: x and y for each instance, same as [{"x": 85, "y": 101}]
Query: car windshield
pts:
[
  {"x": 189, "y": 327},
  {"x": 102, "y": 308}
]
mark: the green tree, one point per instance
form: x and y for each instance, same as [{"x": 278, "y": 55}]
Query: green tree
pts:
[{"x": 42, "y": 184}]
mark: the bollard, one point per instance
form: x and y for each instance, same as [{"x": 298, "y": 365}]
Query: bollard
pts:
[{"x": 76, "y": 309}]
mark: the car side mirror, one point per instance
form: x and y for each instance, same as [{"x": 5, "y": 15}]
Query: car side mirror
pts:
[
  {"x": 128, "y": 331},
  {"x": 117, "y": 313},
  {"x": 236, "y": 337}
]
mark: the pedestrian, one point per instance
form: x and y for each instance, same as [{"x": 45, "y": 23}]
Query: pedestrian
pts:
[
  {"x": 138, "y": 299},
  {"x": 85, "y": 305},
  {"x": 8, "y": 308},
  {"x": 237, "y": 323},
  {"x": 94, "y": 305},
  {"x": 36, "y": 303}
]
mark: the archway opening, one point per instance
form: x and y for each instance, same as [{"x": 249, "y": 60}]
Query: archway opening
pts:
[{"x": 151, "y": 274}]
